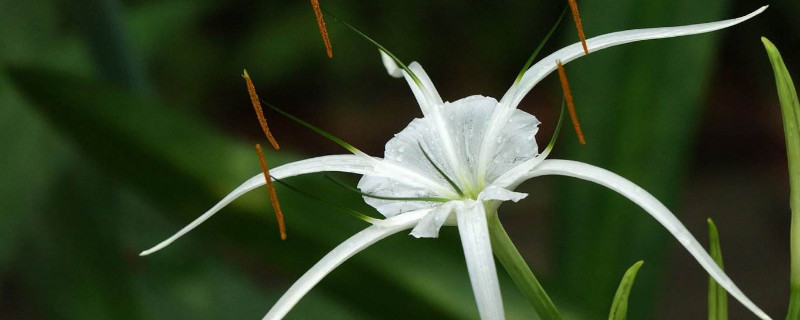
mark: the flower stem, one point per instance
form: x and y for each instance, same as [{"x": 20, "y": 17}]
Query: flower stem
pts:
[{"x": 520, "y": 273}]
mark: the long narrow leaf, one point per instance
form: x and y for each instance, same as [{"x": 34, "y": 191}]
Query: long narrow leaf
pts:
[
  {"x": 790, "y": 108},
  {"x": 619, "y": 307},
  {"x": 717, "y": 296}
]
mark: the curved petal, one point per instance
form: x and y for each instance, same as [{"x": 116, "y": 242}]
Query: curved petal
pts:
[
  {"x": 337, "y": 256},
  {"x": 545, "y": 66},
  {"x": 391, "y": 67},
  {"x": 474, "y": 232},
  {"x": 429, "y": 225},
  {"x": 341, "y": 163},
  {"x": 425, "y": 91},
  {"x": 495, "y": 193},
  {"x": 654, "y": 208},
  {"x": 516, "y": 175},
  {"x": 433, "y": 94}
]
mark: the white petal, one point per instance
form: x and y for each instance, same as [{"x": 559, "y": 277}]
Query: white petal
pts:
[
  {"x": 425, "y": 92},
  {"x": 433, "y": 94},
  {"x": 516, "y": 175},
  {"x": 464, "y": 122},
  {"x": 333, "y": 259},
  {"x": 340, "y": 163},
  {"x": 509, "y": 140},
  {"x": 474, "y": 232},
  {"x": 391, "y": 67},
  {"x": 653, "y": 207},
  {"x": 429, "y": 225},
  {"x": 500, "y": 194},
  {"x": 547, "y": 65}
]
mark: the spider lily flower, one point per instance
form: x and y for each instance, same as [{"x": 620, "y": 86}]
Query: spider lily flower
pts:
[{"x": 458, "y": 163}]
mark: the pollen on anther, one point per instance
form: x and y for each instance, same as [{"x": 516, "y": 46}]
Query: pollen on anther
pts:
[
  {"x": 573, "y": 6},
  {"x": 259, "y": 112},
  {"x": 562, "y": 75},
  {"x": 272, "y": 195},
  {"x": 322, "y": 29}
]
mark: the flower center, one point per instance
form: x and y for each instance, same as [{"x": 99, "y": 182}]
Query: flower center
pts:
[{"x": 453, "y": 153}]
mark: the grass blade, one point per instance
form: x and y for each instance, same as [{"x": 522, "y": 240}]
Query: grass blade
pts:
[
  {"x": 717, "y": 296},
  {"x": 790, "y": 108},
  {"x": 619, "y": 308}
]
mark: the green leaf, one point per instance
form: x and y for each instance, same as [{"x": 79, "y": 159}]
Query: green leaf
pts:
[
  {"x": 102, "y": 24},
  {"x": 619, "y": 307},
  {"x": 505, "y": 251},
  {"x": 790, "y": 108},
  {"x": 717, "y": 296}
]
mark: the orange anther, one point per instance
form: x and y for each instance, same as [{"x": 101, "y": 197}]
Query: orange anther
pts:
[
  {"x": 272, "y": 195},
  {"x": 573, "y": 6},
  {"x": 322, "y": 29},
  {"x": 570, "y": 104},
  {"x": 259, "y": 112}
]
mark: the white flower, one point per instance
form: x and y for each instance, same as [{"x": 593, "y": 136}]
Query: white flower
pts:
[{"x": 465, "y": 157}]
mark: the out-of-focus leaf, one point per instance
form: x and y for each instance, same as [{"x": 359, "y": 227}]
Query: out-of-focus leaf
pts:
[
  {"x": 31, "y": 156},
  {"x": 619, "y": 307},
  {"x": 638, "y": 112},
  {"x": 154, "y": 25},
  {"x": 101, "y": 22},
  {"x": 790, "y": 108},
  {"x": 717, "y": 296},
  {"x": 32, "y": 151},
  {"x": 285, "y": 51},
  {"x": 78, "y": 277}
]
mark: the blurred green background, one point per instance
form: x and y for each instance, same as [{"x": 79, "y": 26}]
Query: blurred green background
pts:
[{"x": 121, "y": 121}]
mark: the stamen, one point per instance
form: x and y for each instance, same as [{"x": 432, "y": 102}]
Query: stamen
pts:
[
  {"x": 272, "y": 195},
  {"x": 259, "y": 112},
  {"x": 379, "y": 46},
  {"x": 541, "y": 45},
  {"x": 349, "y": 211},
  {"x": 322, "y": 29},
  {"x": 316, "y": 129},
  {"x": 554, "y": 138},
  {"x": 452, "y": 184},
  {"x": 570, "y": 104},
  {"x": 577, "y": 17}
]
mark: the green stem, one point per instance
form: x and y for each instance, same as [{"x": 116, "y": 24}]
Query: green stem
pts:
[{"x": 520, "y": 273}]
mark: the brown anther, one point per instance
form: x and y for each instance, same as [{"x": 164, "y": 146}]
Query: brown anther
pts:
[
  {"x": 272, "y": 195},
  {"x": 322, "y": 29},
  {"x": 259, "y": 112},
  {"x": 573, "y": 6},
  {"x": 570, "y": 104}
]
